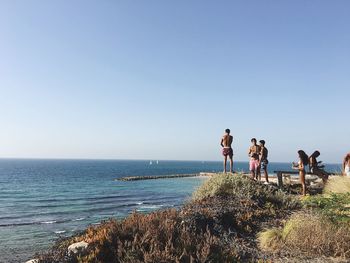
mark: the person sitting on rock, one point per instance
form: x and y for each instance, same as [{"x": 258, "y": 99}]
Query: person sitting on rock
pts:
[{"x": 316, "y": 167}]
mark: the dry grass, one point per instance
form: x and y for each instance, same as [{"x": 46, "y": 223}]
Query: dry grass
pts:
[
  {"x": 218, "y": 225},
  {"x": 270, "y": 239},
  {"x": 225, "y": 184},
  {"x": 310, "y": 234},
  {"x": 157, "y": 237},
  {"x": 242, "y": 187},
  {"x": 338, "y": 184}
]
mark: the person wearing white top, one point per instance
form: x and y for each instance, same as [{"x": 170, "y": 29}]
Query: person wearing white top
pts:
[{"x": 346, "y": 165}]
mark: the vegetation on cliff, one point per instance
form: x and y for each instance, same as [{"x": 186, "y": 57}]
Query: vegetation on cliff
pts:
[
  {"x": 230, "y": 218},
  {"x": 322, "y": 228}
]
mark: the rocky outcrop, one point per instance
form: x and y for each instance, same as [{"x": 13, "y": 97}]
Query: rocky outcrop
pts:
[{"x": 77, "y": 247}]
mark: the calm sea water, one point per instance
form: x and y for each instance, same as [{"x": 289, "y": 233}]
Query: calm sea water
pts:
[{"x": 41, "y": 200}]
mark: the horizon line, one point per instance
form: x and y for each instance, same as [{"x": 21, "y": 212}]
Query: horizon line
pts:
[{"x": 117, "y": 159}]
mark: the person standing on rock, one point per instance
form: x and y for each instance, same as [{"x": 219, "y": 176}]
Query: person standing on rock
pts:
[
  {"x": 301, "y": 166},
  {"x": 226, "y": 143},
  {"x": 254, "y": 166}
]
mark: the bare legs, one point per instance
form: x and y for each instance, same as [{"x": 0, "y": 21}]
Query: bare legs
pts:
[
  {"x": 225, "y": 162},
  {"x": 231, "y": 164},
  {"x": 302, "y": 181},
  {"x": 266, "y": 174},
  {"x": 254, "y": 174}
]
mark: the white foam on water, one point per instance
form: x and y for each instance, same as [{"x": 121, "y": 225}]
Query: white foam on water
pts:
[
  {"x": 79, "y": 219},
  {"x": 60, "y": 231},
  {"x": 48, "y": 222},
  {"x": 150, "y": 207}
]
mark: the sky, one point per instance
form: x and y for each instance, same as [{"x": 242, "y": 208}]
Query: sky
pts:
[{"x": 163, "y": 79}]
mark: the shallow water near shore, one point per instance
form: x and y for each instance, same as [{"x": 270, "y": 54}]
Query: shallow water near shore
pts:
[{"x": 42, "y": 200}]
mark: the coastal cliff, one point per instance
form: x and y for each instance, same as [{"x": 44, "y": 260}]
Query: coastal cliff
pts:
[{"x": 230, "y": 218}]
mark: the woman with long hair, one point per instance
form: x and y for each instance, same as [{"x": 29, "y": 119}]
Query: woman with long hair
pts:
[
  {"x": 317, "y": 167},
  {"x": 301, "y": 165}
]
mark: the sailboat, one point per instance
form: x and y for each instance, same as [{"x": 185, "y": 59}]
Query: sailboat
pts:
[
  {"x": 150, "y": 162},
  {"x": 157, "y": 162}
]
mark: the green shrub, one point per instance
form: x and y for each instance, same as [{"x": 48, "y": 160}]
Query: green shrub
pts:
[
  {"x": 242, "y": 187},
  {"x": 335, "y": 206}
]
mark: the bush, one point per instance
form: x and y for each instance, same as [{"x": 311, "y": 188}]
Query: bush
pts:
[
  {"x": 219, "y": 225},
  {"x": 334, "y": 206},
  {"x": 270, "y": 239},
  {"x": 309, "y": 233},
  {"x": 157, "y": 237},
  {"x": 242, "y": 187}
]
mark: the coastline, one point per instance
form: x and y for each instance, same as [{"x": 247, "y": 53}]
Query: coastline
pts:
[
  {"x": 211, "y": 203},
  {"x": 86, "y": 191}
]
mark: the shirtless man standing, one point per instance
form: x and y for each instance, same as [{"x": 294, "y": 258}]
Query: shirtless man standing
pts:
[
  {"x": 226, "y": 143},
  {"x": 263, "y": 162},
  {"x": 254, "y": 166}
]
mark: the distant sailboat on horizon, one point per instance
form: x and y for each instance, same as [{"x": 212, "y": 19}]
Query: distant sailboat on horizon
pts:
[{"x": 150, "y": 162}]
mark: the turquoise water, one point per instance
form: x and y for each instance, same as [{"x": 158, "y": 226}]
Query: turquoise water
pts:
[{"x": 42, "y": 200}]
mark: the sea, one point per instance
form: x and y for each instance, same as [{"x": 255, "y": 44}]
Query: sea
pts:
[{"x": 43, "y": 200}]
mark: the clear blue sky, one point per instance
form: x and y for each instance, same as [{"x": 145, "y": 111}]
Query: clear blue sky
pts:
[{"x": 163, "y": 79}]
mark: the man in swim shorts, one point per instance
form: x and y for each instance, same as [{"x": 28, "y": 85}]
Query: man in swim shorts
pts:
[
  {"x": 263, "y": 162},
  {"x": 254, "y": 166},
  {"x": 226, "y": 143}
]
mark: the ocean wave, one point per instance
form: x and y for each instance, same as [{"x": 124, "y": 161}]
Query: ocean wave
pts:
[
  {"x": 73, "y": 199},
  {"x": 79, "y": 219},
  {"x": 49, "y": 222},
  {"x": 34, "y": 223},
  {"x": 60, "y": 232},
  {"x": 150, "y": 207}
]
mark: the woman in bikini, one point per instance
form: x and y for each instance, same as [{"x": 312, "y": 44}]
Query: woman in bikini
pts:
[
  {"x": 316, "y": 167},
  {"x": 303, "y": 162}
]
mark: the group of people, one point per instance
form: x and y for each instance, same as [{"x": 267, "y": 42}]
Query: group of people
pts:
[
  {"x": 258, "y": 159},
  {"x": 258, "y": 154},
  {"x": 315, "y": 167}
]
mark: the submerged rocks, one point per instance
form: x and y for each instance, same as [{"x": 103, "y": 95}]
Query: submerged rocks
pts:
[{"x": 77, "y": 247}]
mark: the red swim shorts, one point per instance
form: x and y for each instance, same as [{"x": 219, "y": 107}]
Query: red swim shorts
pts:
[{"x": 227, "y": 152}]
